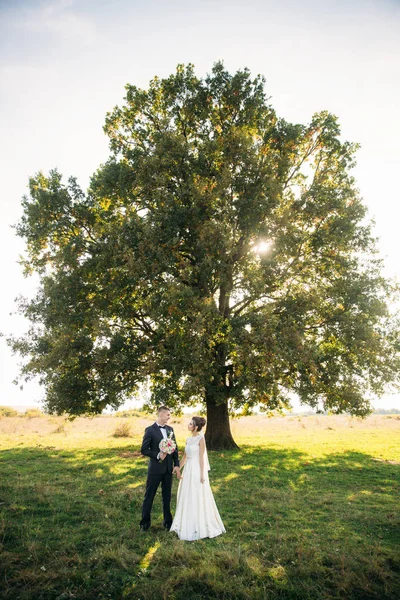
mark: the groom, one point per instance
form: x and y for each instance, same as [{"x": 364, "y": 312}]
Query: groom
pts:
[{"x": 161, "y": 468}]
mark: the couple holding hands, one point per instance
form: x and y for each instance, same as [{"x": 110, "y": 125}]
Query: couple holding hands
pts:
[{"x": 196, "y": 514}]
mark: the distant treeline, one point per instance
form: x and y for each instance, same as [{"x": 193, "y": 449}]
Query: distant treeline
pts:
[
  {"x": 8, "y": 411},
  {"x": 310, "y": 413}
]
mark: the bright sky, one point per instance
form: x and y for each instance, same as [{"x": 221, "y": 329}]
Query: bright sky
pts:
[{"x": 64, "y": 64}]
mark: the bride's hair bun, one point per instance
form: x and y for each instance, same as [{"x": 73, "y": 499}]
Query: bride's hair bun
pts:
[{"x": 199, "y": 422}]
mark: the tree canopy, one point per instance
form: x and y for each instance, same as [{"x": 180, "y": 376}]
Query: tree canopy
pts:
[{"x": 221, "y": 254}]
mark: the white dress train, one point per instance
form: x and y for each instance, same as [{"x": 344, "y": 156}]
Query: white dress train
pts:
[{"x": 196, "y": 514}]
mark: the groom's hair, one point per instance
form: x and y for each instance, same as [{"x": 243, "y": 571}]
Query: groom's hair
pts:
[{"x": 162, "y": 408}]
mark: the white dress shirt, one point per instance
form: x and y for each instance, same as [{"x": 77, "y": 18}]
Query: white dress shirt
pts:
[{"x": 164, "y": 434}]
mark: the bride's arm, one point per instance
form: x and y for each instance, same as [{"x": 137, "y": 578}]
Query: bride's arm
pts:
[
  {"x": 201, "y": 457},
  {"x": 183, "y": 461}
]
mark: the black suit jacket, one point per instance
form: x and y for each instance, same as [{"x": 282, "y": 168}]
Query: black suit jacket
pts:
[{"x": 151, "y": 448}]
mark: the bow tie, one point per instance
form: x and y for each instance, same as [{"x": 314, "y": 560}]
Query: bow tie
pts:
[{"x": 162, "y": 426}]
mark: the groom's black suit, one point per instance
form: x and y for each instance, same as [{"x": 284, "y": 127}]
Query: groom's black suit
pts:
[{"x": 158, "y": 472}]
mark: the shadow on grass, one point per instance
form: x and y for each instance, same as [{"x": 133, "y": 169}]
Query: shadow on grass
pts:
[{"x": 296, "y": 528}]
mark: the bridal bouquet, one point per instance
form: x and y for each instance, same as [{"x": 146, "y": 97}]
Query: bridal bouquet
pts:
[{"x": 167, "y": 445}]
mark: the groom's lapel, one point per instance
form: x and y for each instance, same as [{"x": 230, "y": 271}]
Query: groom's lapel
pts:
[{"x": 158, "y": 430}]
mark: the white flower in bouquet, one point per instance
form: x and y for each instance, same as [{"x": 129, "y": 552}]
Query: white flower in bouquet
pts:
[{"x": 168, "y": 445}]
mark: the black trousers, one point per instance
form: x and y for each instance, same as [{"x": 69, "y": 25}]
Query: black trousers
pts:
[{"x": 153, "y": 481}]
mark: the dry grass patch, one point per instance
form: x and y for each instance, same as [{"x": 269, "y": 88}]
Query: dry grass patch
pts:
[{"x": 123, "y": 430}]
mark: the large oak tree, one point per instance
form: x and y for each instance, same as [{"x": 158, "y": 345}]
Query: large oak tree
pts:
[{"x": 221, "y": 254}]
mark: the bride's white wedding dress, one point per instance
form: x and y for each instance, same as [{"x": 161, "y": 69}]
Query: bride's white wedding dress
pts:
[{"x": 196, "y": 515}]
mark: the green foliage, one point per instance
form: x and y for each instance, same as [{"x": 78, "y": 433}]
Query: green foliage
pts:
[
  {"x": 7, "y": 411},
  {"x": 33, "y": 413},
  {"x": 133, "y": 412},
  {"x": 222, "y": 254}
]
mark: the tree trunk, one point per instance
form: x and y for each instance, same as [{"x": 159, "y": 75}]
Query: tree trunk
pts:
[{"x": 218, "y": 433}]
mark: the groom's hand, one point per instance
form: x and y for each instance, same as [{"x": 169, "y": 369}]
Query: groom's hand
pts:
[
  {"x": 177, "y": 472},
  {"x": 162, "y": 455}
]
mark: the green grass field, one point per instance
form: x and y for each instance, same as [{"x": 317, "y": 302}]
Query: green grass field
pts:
[{"x": 310, "y": 504}]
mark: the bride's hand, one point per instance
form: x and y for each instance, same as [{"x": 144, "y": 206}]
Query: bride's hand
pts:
[{"x": 202, "y": 480}]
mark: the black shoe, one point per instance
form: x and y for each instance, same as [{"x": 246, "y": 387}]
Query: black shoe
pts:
[
  {"x": 167, "y": 526},
  {"x": 144, "y": 527}
]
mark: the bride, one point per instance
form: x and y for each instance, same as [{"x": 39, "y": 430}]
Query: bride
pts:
[{"x": 196, "y": 515}]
